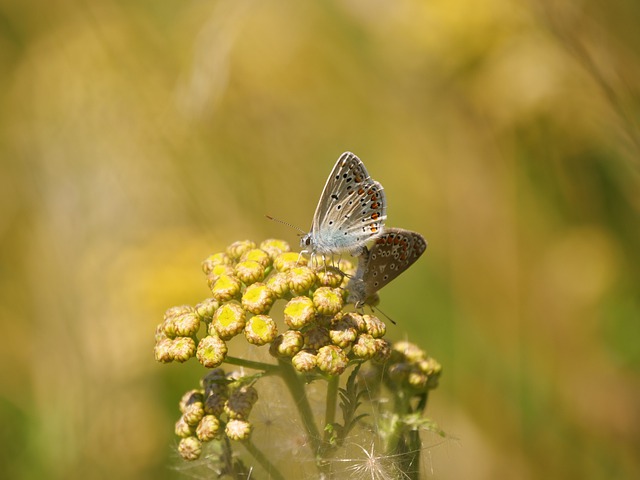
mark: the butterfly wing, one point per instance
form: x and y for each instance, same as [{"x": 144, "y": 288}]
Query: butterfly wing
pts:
[
  {"x": 393, "y": 252},
  {"x": 351, "y": 210}
]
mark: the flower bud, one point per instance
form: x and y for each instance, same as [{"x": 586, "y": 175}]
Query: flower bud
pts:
[
  {"x": 288, "y": 260},
  {"x": 190, "y": 397},
  {"x": 182, "y": 349},
  {"x": 287, "y": 344},
  {"x": 225, "y": 288},
  {"x": 213, "y": 260},
  {"x": 249, "y": 271},
  {"x": 208, "y": 428},
  {"x": 260, "y": 330},
  {"x": 211, "y": 351},
  {"x": 332, "y": 360},
  {"x": 162, "y": 351},
  {"x": 238, "y": 429},
  {"x": 374, "y": 326},
  {"x": 257, "y": 298},
  {"x": 257, "y": 255},
  {"x": 316, "y": 337},
  {"x": 228, "y": 321},
  {"x": 329, "y": 276},
  {"x": 365, "y": 346},
  {"x": 278, "y": 283},
  {"x": 304, "y": 361},
  {"x": 206, "y": 308},
  {"x": 183, "y": 429},
  {"x": 299, "y": 312},
  {"x": 301, "y": 279},
  {"x": 343, "y": 333},
  {"x": 186, "y": 324},
  {"x": 190, "y": 448},
  {"x": 237, "y": 249},
  {"x": 327, "y": 300},
  {"x": 274, "y": 247}
]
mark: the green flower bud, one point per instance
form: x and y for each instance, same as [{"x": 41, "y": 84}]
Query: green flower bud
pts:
[
  {"x": 177, "y": 310},
  {"x": 189, "y": 398},
  {"x": 206, "y": 308},
  {"x": 278, "y": 284},
  {"x": 301, "y": 279},
  {"x": 288, "y": 260},
  {"x": 299, "y": 312},
  {"x": 343, "y": 333},
  {"x": 365, "y": 347},
  {"x": 329, "y": 276},
  {"x": 287, "y": 344},
  {"x": 274, "y": 247},
  {"x": 162, "y": 351},
  {"x": 354, "y": 319},
  {"x": 260, "y": 330},
  {"x": 375, "y": 327},
  {"x": 257, "y": 255},
  {"x": 213, "y": 260},
  {"x": 187, "y": 324},
  {"x": 160, "y": 334},
  {"x": 257, "y": 298},
  {"x": 316, "y": 337},
  {"x": 228, "y": 321},
  {"x": 211, "y": 351},
  {"x": 327, "y": 300},
  {"x": 332, "y": 360},
  {"x": 190, "y": 448},
  {"x": 183, "y": 429},
  {"x": 249, "y": 271},
  {"x": 182, "y": 349},
  {"x": 383, "y": 351},
  {"x": 225, "y": 288},
  {"x": 237, "y": 249},
  {"x": 193, "y": 413},
  {"x": 304, "y": 361},
  {"x": 217, "y": 271},
  {"x": 238, "y": 429},
  {"x": 208, "y": 428}
]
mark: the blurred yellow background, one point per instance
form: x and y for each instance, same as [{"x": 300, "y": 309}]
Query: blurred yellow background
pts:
[{"x": 137, "y": 137}]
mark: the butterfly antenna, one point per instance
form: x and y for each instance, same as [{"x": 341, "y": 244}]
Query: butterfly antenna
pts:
[
  {"x": 387, "y": 316},
  {"x": 285, "y": 223}
]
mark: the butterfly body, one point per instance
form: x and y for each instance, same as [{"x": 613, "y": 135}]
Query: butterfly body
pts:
[
  {"x": 351, "y": 210},
  {"x": 392, "y": 253}
]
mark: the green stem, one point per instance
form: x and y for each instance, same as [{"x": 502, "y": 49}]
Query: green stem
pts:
[
  {"x": 272, "y": 471},
  {"x": 296, "y": 388},
  {"x": 332, "y": 400},
  {"x": 266, "y": 367}
]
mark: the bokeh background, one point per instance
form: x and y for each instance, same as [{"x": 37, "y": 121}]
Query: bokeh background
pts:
[{"x": 138, "y": 136}]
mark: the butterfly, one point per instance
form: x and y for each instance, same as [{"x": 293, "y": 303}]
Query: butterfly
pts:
[
  {"x": 351, "y": 210},
  {"x": 392, "y": 253}
]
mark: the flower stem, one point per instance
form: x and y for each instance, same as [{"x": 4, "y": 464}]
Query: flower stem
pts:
[
  {"x": 270, "y": 468},
  {"x": 266, "y": 367},
  {"x": 332, "y": 400},
  {"x": 296, "y": 388}
]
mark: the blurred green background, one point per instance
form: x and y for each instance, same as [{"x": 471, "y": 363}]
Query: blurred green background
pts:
[{"x": 137, "y": 137}]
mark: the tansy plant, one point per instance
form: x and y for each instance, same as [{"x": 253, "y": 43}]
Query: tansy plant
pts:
[{"x": 332, "y": 398}]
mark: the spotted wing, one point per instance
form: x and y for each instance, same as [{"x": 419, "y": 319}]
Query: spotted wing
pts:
[
  {"x": 352, "y": 208},
  {"x": 393, "y": 252}
]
